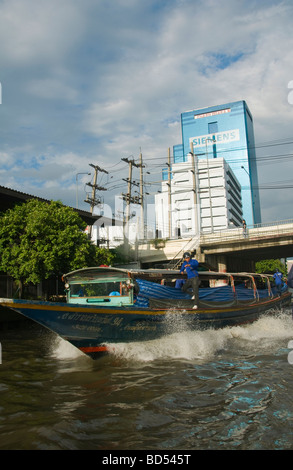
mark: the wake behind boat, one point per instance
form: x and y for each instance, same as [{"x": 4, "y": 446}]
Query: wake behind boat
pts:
[{"x": 106, "y": 305}]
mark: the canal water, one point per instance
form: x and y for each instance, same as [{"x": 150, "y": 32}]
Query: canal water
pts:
[{"x": 222, "y": 390}]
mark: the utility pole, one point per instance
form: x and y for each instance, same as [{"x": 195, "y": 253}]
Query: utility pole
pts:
[
  {"x": 169, "y": 194},
  {"x": 93, "y": 201},
  {"x": 128, "y": 197},
  {"x": 141, "y": 198}
]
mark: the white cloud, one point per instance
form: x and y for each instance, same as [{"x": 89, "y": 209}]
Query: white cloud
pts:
[
  {"x": 91, "y": 82},
  {"x": 52, "y": 89},
  {"x": 38, "y": 30},
  {"x": 4, "y": 159}
]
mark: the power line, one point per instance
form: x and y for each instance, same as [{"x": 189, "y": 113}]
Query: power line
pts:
[{"x": 159, "y": 162}]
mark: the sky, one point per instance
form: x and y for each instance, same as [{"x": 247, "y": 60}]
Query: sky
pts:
[{"x": 94, "y": 81}]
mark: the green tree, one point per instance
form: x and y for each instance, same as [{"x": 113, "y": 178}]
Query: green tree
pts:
[
  {"x": 39, "y": 239},
  {"x": 269, "y": 266}
]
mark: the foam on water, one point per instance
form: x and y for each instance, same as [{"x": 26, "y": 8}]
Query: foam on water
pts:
[
  {"x": 178, "y": 343},
  {"x": 62, "y": 349},
  {"x": 262, "y": 335}
]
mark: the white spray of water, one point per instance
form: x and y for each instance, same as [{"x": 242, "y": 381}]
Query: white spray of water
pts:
[
  {"x": 62, "y": 349},
  {"x": 191, "y": 345},
  {"x": 262, "y": 335}
]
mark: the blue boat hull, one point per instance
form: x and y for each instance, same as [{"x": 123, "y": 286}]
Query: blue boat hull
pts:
[{"x": 91, "y": 328}]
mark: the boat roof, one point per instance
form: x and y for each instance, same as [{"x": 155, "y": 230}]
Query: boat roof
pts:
[
  {"x": 110, "y": 271},
  {"x": 94, "y": 272}
]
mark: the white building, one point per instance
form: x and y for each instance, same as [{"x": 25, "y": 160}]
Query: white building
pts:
[
  {"x": 198, "y": 196},
  {"x": 114, "y": 236}
]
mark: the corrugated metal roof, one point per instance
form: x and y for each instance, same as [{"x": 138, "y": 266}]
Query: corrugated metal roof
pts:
[{"x": 9, "y": 197}]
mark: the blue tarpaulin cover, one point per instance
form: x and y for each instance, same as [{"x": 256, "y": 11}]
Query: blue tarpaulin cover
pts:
[{"x": 151, "y": 290}]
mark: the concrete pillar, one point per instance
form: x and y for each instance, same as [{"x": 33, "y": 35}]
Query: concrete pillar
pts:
[
  {"x": 199, "y": 256},
  {"x": 222, "y": 263},
  {"x": 222, "y": 268}
]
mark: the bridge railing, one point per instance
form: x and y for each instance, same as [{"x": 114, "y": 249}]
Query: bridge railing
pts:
[{"x": 252, "y": 232}]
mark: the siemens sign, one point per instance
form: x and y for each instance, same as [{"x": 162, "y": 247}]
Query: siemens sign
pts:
[{"x": 218, "y": 138}]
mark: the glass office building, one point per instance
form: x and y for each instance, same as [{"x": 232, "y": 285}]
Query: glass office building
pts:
[{"x": 225, "y": 131}]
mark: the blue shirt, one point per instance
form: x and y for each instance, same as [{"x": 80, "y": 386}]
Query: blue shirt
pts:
[
  {"x": 278, "y": 278},
  {"x": 191, "y": 270}
]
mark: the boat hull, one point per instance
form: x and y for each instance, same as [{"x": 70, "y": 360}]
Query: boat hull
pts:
[{"x": 91, "y": 329}]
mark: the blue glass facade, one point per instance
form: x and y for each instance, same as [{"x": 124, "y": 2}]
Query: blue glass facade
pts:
[{"x": 225, "y": 131}]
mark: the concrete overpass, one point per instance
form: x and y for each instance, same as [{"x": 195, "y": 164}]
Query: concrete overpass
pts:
[{"x": 225, "y": 250}]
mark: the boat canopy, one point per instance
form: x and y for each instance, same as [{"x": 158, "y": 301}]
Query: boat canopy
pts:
[{"x": 117, "y": 286}]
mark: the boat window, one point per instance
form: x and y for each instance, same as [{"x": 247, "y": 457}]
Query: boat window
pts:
[{"x": 99, "y": 289}]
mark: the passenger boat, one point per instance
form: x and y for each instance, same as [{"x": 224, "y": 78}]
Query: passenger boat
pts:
[{"x": 106, "y": 305}]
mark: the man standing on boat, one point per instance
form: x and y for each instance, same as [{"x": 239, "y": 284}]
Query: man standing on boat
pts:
[
  {"x": 278, "y": 277},
  {"x": 190, "y": 266}
]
